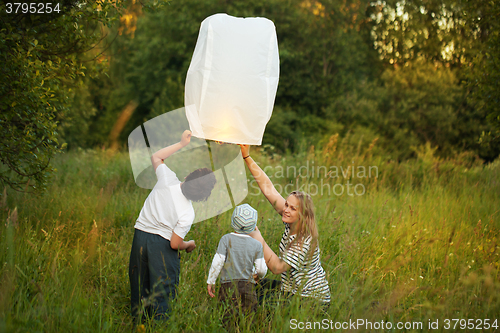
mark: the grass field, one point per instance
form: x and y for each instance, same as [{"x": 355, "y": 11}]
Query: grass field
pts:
[{"x": 420, "y": 245}]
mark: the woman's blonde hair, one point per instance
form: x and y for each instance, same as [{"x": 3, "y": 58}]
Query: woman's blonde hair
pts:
[{"x": 307, "y": 223}]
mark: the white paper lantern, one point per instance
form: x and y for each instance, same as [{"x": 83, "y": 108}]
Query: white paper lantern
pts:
[{"x": 232, "y": 80}]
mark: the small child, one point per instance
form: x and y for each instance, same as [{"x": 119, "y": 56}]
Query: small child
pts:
[{"x": 236, "y": 256}]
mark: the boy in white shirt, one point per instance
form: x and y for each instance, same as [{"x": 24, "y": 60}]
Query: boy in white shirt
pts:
[
  {"x": 238, "y": 257},
  {"x": 164, "y": 221}
]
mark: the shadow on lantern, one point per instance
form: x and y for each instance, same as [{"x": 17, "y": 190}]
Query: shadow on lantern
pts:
[{"x": 224, "y": 159}]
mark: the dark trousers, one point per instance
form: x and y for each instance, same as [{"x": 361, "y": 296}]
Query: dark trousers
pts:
[
  {"x": 154, "y": 275},
  {"x": 268, "y": 289},
  {"x": 239, "y": 296}
]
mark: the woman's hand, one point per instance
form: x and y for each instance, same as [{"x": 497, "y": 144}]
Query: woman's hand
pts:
[
  {"x": 186, "y": 138},
  {"x": 256, "y": 235},
  {"x": 245, "y": 150},
  {"x": 273, "y": 262},
  {"x": 266, "y": 186}
]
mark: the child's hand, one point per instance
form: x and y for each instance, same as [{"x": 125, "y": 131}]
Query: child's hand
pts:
[
  {"x": 186, "y": 138},
  {"x": 191, "y": 246},
  {"x": 211, "y": 289}
]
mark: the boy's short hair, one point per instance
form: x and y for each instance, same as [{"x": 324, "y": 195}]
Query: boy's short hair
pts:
[
  {"x": 244, "y": 219},
  {"x": 199, "y": 184}
]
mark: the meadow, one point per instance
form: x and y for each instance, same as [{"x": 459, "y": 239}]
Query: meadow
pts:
[{"x": 420, "y": 244}]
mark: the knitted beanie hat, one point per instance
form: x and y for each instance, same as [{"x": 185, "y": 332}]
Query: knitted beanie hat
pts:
[{"x": 244, "y": 219}]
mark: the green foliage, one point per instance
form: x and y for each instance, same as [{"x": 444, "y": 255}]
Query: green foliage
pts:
[
  {"x": 40, "y": 57},
  {"x": 483, "y": 76},
  {"x": 397, "y": 69},
  {"x": 431, "y": 30},
  {"x": 462, "y": 35},
  {"x": 335, "y": 73},
  {"x": 319, "y": 61},
  {"x": 413, "y": 104}
]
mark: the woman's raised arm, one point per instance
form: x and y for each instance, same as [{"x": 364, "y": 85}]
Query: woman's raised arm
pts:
[{"x": 265, "y": 184}]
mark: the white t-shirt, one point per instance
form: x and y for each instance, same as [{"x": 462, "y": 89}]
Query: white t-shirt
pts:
[{"x": 166, "y": 209}]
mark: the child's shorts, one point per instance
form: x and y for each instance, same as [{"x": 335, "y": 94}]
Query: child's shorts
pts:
[{"x": 239, "y": 294}]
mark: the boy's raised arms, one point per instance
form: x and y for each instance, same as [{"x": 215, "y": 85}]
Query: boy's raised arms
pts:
[{"x": 158, "y": 157}]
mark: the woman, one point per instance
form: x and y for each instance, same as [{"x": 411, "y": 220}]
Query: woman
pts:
[{"x": 299, "y": 260}]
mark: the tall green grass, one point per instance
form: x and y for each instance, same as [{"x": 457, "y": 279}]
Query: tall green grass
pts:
[{"x": 421, "y": 243}]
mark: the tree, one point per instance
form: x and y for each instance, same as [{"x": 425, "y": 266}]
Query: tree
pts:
[
  {"x": 433, "y": 30},
  {"x": 459, "y": 35},
  {"x": 395, "y": 68},
  {"x": 325, "y": 51},
  {"x": 483, "y": 74},
  {"x": 41, "y": 57}
]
